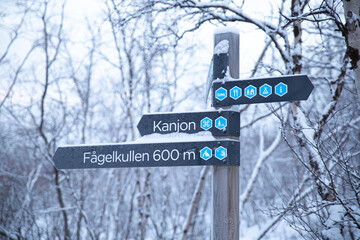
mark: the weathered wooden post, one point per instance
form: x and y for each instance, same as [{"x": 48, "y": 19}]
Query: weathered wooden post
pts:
[{"x": 226, "y": 178}]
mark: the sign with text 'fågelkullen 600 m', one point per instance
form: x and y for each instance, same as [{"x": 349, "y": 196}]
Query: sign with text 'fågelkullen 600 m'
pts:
[
  {"x": 219, "y": 152},
  {"x": 219, "y": 123},
  {"x": 261, "y": 90}
]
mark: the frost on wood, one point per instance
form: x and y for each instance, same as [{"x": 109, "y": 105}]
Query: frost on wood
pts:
[{"x": 222, "y": 47}]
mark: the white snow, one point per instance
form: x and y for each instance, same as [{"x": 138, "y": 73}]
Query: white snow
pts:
[
  {"x": 176, "y": 137},
  {"x": 160, "y": 138},
  {"x": 336, "y": 214},
  {"x": 256, "y": 78},
  {"x": 306, "y": 129},
  {"x": 332, "y": 234},
  {"x": 185, "y": 112},
  {"x": 222, "y": 47},
  {"x": 221, "y": 30}
]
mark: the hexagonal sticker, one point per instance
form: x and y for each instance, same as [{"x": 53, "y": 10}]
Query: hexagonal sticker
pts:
[
  {"x": 206, "y": 153},
  {"x": 221, "y": 153},
  {"x": 281, "y": 89},
  {"x": 235, "y": 92},
  {"x": 250, "y": 91},
  {"x": 221, "y": 94},
  {"x": 220, "y": 123},
  {"x": 265, "y": 90},
  {"x": 206, "y": 123}
]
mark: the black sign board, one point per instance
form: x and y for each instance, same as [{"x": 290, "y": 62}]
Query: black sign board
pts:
[
  {"x": 216, "y": 152},
  {"x": 219, "y": 123},
  {"x": 261, "y": 90}
]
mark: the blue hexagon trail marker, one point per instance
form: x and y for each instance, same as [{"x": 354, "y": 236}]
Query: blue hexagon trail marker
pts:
[
  {"x": 221, "y": 94},
  {"x": 206, "y": 123},
  {"x": 235, "y": 92},
  {"x": 265, "y": 90},
  {"x": 191, "y": 122},
  {"x": 281, "y": 89},
  {"x": 221, "y": 123},
  {"x": 273, "y": 89},
  {"x": 250, "y": 91},
  {"x": 221, "y": 153},
  {"x": 206, "y": 153}
]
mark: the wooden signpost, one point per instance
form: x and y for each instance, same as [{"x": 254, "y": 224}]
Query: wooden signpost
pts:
[
  {"x": 223, "y": 153},
  {"x": 225, "y": 207}
]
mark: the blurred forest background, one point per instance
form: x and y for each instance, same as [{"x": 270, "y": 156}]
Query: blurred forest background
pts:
[{"x": 70, "y": 78}]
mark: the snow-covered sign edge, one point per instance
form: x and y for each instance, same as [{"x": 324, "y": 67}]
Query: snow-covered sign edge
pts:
[{"x": 221, "y": 30}]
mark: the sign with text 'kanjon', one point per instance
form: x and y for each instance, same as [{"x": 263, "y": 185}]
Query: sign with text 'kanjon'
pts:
[
  {"x": 215, "y": 152},
  {"x": 219, "y": 123},
  {"x": 261, "y": 90}
]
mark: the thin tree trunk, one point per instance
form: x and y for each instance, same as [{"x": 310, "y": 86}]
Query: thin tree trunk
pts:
[
  {"x": 195, "y": 201},
  {"x": 352, "y": 13}
]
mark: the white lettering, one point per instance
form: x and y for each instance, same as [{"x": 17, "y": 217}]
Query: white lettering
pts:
[
  {"x": 108, "y": 158},
  {"x": 165, "y": 127},
  {"x": 173, "y": 126},
  {"x": 189, "y": 155},
  {"x": 101, "y": 159},
  {"x": 145, "y": 156},
  {"x": 156, "y": 126},
  {"x": 114, "y": 157},
  {"x": 85, "y": 156}
]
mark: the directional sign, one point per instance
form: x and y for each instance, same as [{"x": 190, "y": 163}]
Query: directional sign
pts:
[
  {"x": 219, "y": 123},
  {"x": 261, "y": 90},
  {"x": 219, "y": 152}
]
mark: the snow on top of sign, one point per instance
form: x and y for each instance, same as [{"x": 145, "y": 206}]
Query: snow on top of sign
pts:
[
  {"x": 229, "y": 78},
  {"x": 221, "y": 30},
  {"x": 161, "y": 138},
  {"x": 235, "y": 108},
  {"x": 222, "y": 47},
  {"x": 209, "y": 109},
  {"x": 176, "y": 137}
]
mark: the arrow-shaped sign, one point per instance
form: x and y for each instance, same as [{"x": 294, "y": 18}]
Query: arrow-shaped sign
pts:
[
  {"x": 219, "y": 123},
  {"x": 219, "y": 152},
  {"x": 261, "y": 90}
]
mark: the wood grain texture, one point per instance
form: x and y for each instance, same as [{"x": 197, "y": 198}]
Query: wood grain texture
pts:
[{"x": 226, "y": 179}]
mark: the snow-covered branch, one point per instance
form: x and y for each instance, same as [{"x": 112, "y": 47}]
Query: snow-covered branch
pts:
[
  {"x": 263, "y": 155},
  {"x": 194, "y": 202},
  {"x": 227, "y": 12},
  {"x": 8, "y": 235},
  {"x": 299, "y": 194}
]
